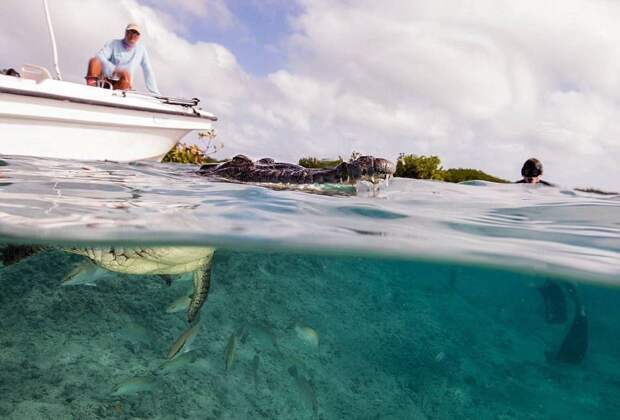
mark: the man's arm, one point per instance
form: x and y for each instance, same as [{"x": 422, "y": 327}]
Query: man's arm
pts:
[
  {"x": 149, "y": 77},
  {"x": 105, "y": 55}
]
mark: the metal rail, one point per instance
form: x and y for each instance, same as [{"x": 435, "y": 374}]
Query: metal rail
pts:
[{"x": 53, "y": 38}]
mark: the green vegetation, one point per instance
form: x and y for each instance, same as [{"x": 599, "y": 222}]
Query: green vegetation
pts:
[
  {"x": 193, "y": 153},
  {"x": 464, "y": 174},
  {"x": 184, "y": 153},
  {"x": 312, "y": 162},
  {"x": 429, "y": 167},
  {"x": 419, "y": 167}
]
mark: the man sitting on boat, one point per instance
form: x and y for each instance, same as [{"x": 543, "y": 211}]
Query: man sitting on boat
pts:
[{"x": 117, "y": 61}]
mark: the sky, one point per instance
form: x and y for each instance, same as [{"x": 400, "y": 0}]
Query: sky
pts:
[{"x": 480, "y": 83}]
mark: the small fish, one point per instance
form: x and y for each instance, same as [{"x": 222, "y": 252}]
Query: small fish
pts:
[
  {"x": 306, "y": 389},
  {"x": 85, "y": 274},
  {"x": 180, "y": 361},
  {"x": 178, "y": 305},
  {"x": 255, "y": 366},
  {"x": 229, "y": 353},
  {"x": 183, "y": 342},
  {"x": 307, "y": 335},
  {"x": 135, "y": 385}
]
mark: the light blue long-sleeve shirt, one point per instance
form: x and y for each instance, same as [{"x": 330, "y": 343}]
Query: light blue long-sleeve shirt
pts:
[{"x": 115, "y": 55}]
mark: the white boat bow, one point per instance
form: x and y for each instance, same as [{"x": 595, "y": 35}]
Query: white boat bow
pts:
[{"x": 40, "y": 116}]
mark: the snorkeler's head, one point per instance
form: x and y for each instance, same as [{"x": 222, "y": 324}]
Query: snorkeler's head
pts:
[{"x": 532, "y": 169}]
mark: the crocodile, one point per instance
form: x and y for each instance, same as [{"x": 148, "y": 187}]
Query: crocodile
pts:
[
  {"x": 242, "y": 169},
  {"x": 170, "y": 261}
]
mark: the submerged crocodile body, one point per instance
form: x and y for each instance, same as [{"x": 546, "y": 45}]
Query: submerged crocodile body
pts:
[
  {"x": 243, "y": 169},
  {"x": 169, "y": 261},
  {"x": 164, "y": 262},
  {"x": 161, "y": 261}
]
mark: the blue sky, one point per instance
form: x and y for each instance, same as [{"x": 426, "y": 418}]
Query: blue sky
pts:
[{"x": 257, "y": 36}]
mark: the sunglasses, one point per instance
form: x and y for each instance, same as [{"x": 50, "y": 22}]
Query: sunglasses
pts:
[{"x": 133, "y": 32}]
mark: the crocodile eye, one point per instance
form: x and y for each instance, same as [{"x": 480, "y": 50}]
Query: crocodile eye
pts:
[{"x": 239, "y": 159}]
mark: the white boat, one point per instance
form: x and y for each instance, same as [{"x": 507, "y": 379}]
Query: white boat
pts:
[
  {"x": 40, "y": 116},
  {"x": 47, "y": 117}
]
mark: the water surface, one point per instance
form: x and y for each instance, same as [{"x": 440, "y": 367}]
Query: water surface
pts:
[{"x": 422, "y": 300}]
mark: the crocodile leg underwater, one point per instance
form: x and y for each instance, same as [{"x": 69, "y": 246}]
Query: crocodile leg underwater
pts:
[{"x": 202, "y": 283}]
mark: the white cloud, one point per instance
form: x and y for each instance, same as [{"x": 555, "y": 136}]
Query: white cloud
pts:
[
  {"x": 208, "y": 12},
  {"x": 483, "y": 84}
]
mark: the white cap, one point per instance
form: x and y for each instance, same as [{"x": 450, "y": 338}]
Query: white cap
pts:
[{"x": 133, "y": 27}]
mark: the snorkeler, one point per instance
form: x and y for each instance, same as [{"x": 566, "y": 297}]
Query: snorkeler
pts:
[
  {"x": 575, "y": 343},
  {"x": 532, "y": 172}
]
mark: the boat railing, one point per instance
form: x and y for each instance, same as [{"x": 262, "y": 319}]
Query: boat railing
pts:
[
  {"x": 171, "y": 100},
  {"x": 179, "y": 101},
  {"x": 189, "y": 102}
]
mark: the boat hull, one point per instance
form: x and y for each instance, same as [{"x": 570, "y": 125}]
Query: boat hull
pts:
[
  {"x": 34, "y": 125},
  {"x": 85, "y": 142}
]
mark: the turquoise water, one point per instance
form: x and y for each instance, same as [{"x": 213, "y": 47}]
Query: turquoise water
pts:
[{"x": 421, "y": 300}]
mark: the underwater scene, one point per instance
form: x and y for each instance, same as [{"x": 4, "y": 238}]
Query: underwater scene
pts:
[{"x": 144, "y": 291}]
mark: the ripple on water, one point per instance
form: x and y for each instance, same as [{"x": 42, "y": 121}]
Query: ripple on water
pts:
[{"x": 147, "y": 203}]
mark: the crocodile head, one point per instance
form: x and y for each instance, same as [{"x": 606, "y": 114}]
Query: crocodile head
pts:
[{"x": 369, "y": 168}]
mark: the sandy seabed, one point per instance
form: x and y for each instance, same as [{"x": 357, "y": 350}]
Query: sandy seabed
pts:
[{"x": 313, "y": 337}]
